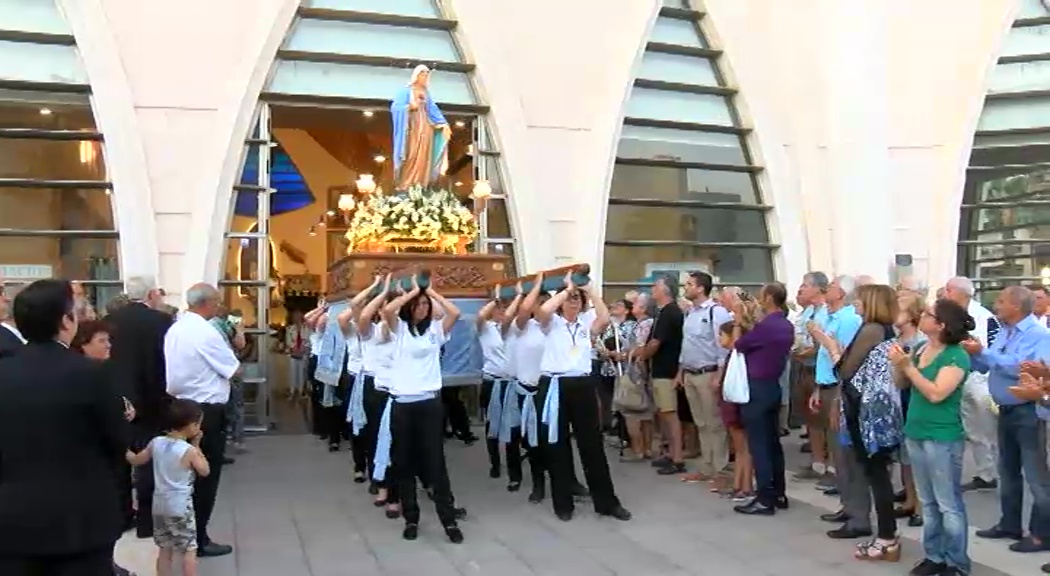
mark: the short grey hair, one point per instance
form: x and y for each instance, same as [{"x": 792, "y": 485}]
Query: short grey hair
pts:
[
  {"x": 962, "y": 284},
  {"x": 1022, "y": 296},
  {"x": 848, "y": 284},
  {"x": 200, "y": 293},
  {"x": 645, "y": 300},
  {"x": 818, "y": 279},
  {"x": 669, "y": 282},
  {"x": 138, "y": 287}
]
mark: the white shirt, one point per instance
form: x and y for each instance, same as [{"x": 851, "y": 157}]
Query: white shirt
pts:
[
  {"x": 354, "y": 354},
  {"x": 294, "y": 332},
  {"x": 11, "y": 328},
  {"x": 378, "y": 356},
  {"x": 528, "y": 351},
  {"x": 493, "y": 351},
  {"x": 199, "y": 362},
  {"x": 417, "y": 360},
  {"x": 315, "y": 343},
  {"x": 980, "y": 316},
  {"x": 567, "y": 349}
]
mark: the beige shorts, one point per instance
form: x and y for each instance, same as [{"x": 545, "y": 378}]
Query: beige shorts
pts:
[{"x": 665, "y": 396}]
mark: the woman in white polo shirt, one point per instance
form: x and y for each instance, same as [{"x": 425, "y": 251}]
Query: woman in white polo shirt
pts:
[
  {"x": 366, "y": 409},
  {"x": 567, "y": 394},
  {"x": 499, "y": 395},
  {"x": 414, "y": 419}
]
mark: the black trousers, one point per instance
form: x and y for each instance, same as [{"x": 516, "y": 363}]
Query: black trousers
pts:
[
  {"x": 578, "y": 410},
  {"x": 213, "y": 446},
  {"x": 419, "y": 451},
  {"x": 97, "y": 562},
  {"x": 761, "y": 420},
  {"x": 338, "y": 427},
  {"x": 512, "y": 448},
  {"x": 317, "y": 412},
  {"x": 455, "y": 411}
]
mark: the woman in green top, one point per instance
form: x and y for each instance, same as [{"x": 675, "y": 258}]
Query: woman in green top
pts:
[{"x": 934, "y": 433}]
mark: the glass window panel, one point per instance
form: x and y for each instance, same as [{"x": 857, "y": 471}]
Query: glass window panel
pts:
[
  {"x": 498, "y": 220},
  {"x": 727, "y": 265},
  {"x": 1019, "y": 77},
  {"x": 43, "y": 111},
  {"x": 1032, "y": 9},
  {"x": 1020, "y": 222},
  {"x": 29, "y": 62},
  {"x": 50, "y": 209},
  {"x": 677, "y": 68},
  {"x": 674, "y": 31},
  {"x": 424, "y": 8},
  {"x": 51, "y": 160},
  {"x": 1007, "y": 261},
  {"x": 506, "y": 249},
  {"x": 680, "y": 145},
  {"x": 357, "y": 81},
  {"x": 33, "y": 16},
  {"x": 1011, "y": 114},
  {"x": 242, "y": 259},
  {"x": 679, "y": 107},
  {"x": 1032, "y": 139},
  {"x": 69, "y": 258},
  {"x": 660, "y": 183},
  {"x": 1027, "y": 40},
  {"x": 492, "y": 171},
  {"x": 372, "y": 40},
  {"x": 684, "y": 224},
  {"x": 1030, "y": 186}
]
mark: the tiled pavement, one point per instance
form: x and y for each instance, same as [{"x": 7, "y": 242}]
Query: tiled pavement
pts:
[{"x": 289, "y": 508}]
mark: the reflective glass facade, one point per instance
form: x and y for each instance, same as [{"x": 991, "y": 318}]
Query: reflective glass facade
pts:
[{"x": 684, "y": 195}]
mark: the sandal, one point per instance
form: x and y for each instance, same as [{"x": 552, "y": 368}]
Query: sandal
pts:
[{"x": 878, "y": 551}]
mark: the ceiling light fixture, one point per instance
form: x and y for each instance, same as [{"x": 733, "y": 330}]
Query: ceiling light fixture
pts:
[
  {"x": 379, "y": 158},
  {"x": 460, "y": 123},
  {"x": 368, "y": 113},
  {"x": 45, "y": 111}
]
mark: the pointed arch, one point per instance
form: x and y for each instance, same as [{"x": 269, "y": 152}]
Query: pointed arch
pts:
[{"x": 684, "y": 193}]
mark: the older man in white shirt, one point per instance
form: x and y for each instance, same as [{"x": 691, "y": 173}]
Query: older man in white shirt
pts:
[{"x": 199, "y": 366}]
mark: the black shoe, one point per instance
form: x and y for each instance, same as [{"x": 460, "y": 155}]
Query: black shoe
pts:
[
  {"x": 537, "y": 495},
  {"x": 672, "y": 469},
  {"x": 782, "y": 503},
  {"x": 847, "y": 533},
  {"x": 333, "y": 447},
  {"x": 359, "y": 477},
  {"x": 455, "y": 535},
  {"x": 1028, "y": 545},
  {"x": 661, "y": 462},
  {"x": 494, "y": 472},
  {"x": 514, "y": 486},
  {"x": 1045, "y": 568},
  {"x": 831, "y": 492},
  {"x": 121, "y": 571},
  {"x": 211, "y": 549},
  {"x": 996, "y": 533},
  {"x": 979, "y": 484},
  {"x": 373, "y": 488},
  {"x": 469, "y": 439},
  {"x": 580, "y": 492},
  {"x": 411, "y": 532},
  {"x": 928, "y": 568},
  {"x": 564, "y": 516},
  {"x": 806, "y": 448},
  {"x": 951, "y": 571},
  {"x": 226, "y": 460},
  {"x": 915, "y": 521},
  {"x": 459, "y": 513},
  {"x": 839, "y": 517},
  {"x": 620, "y": 513},
  {"x": 755, "y": 508},
  {"x": 393, "y": 513}
]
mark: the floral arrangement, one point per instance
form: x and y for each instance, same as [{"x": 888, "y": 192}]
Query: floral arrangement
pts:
[{"x": 418, "y": 215}]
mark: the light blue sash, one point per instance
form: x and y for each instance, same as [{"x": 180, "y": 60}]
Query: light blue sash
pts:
[
  {"x": 328, "y": 398},
  {"x": 511, "y": 415},
  {"x": 494, "y": 411},
  {"x": 552, "y": 404},
  {"x": 355, "y": 413},
  {"x": 386, "y": 438},
  {"x": 529, "y": 426}
]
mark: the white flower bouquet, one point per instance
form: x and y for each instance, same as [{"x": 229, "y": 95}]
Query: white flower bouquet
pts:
[{"x": 417, "y": 215}]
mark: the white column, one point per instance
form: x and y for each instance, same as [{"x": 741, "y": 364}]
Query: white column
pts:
[{"x": 861, "y": 201}]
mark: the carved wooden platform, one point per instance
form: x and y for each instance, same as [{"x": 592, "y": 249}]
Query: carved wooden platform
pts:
[{"x": 454, "y": 276}]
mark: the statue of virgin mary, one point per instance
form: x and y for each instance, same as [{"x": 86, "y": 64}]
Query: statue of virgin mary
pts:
[{"x": 421, "y": 134}]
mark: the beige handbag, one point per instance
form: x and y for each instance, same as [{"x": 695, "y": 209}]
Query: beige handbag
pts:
[{"x": 628, "y": 395}]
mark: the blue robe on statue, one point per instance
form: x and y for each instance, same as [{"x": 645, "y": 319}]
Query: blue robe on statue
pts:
[{"x": 400, "y": 112}]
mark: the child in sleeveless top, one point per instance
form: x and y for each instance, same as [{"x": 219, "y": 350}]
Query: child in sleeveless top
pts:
[
  {"x": 743, "y": 473},
  {"x": 176, "y": 458}
]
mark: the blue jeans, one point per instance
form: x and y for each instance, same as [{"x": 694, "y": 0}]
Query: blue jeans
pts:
[
  {"x": 1022, "y": 457},
  {"x": 937, "y": 469}
]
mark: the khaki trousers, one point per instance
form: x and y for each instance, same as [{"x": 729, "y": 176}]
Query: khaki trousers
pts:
[{"x": 702, "y": 395}]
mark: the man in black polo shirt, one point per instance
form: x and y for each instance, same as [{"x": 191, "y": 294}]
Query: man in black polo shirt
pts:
[{"x": 662, "y": 350}]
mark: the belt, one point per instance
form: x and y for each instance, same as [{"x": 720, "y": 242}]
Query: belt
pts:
[{"x": 704, "y": 370}]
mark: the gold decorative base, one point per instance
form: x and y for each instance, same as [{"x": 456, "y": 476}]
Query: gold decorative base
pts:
[{"x": 454, "y": 275}]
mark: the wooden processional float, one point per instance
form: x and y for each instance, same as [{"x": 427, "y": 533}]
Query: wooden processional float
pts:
[{"x": 553, "y": 280}]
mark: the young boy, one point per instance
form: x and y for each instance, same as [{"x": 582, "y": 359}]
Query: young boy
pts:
[{"x": 176, "y": 457}]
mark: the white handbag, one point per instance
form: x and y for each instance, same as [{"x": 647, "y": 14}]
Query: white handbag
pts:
[{"x": 735, "y": 388}]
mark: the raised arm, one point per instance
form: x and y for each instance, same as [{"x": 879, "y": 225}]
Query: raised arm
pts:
[
  {"x": 390, "y": 310},
  {"x": 364, "y": 319},
  {"x": 311, "y": 317},
  {"x": 451, "y": 311},
  {"x": 527, "y": 306},
  {"x": 485, "y": 314},
  {"x": 601, "y": 311},
  {"x": 512, "y": 311},
  {"x": 550, "y": 307},
  {"x": 346, "y": 317}
]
